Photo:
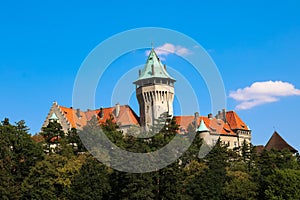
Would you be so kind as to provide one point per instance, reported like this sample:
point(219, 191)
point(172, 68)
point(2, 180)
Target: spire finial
point(152, 45)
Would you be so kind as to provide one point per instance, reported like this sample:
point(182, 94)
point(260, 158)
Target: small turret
point(53, 118)
point(202, 127)
point(204, 133)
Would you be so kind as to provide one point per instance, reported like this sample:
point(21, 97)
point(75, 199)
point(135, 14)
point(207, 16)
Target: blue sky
point(43, 43)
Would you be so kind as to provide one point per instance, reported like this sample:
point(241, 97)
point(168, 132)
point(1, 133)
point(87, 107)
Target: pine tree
point(271, 161)
point(92, 181)
point(52, 133)
point(18, 155)
point(74, 140)
point(209, 183)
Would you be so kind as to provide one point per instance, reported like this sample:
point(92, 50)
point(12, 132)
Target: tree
point(192, 154)
point(239, 185)
point(74, 140)
point(209, 183)
point(18, 154)
point(92, 181)
point(135, 186)
point(283, 184)
point(26, 150)
point(42, 181)
point(190, 172)
point(52, 133)
point(170, 181)
point(269, 162)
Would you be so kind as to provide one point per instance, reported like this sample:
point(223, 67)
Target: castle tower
point(204, 133)
point(154, 91)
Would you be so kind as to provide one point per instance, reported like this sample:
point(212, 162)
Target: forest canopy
point(55, 165)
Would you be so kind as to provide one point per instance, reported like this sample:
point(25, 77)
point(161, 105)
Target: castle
point(155, 94)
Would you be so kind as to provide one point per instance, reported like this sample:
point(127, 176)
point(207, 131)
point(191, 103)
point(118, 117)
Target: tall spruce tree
point(52, 134)
point(18, 154)
point(92, 181)
point(209, 183)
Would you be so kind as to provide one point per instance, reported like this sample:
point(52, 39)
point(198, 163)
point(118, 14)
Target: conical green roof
point(159, 70)
point(202, 127)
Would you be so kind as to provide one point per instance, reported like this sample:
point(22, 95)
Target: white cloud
point(169, 48)
point(262, 92)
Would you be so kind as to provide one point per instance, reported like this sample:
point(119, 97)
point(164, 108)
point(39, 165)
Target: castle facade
point(155, 94)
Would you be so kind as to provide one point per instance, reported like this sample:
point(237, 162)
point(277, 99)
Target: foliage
point(18, 154)
point(283, 184)
point(42, 182)
point(269, 163)
point(209, 183)
point(91, 182)
point(52, 134)
point(74, 140)
point(239, 185)
point(69, 172)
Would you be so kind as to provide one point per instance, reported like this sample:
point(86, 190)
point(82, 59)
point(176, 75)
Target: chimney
point(196, 119)
point(101, 113)
point(117, 109)
point(78, 113)
point(152, 66)
point(165, 66)
point(218, 116)
point(224, 115)
point(210, 116)
point(140, 72)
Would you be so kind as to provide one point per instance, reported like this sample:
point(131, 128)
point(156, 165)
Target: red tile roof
point(184, 122)
point(127, 116)
point(235, 121)
point(217, 126)
point(78, 118)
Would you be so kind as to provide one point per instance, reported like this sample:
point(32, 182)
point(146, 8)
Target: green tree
point(133, 186)
point(268, 163)
point(209, 183)
point(42, 182)
point(18, 154)
point(239, 185)
point(92, 181)
point(191, 172)
point(283, 184)
point(170, 181)
point(52, 133)
point(74, 140)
